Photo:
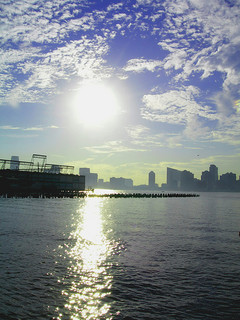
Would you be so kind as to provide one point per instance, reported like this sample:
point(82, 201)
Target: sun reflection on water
point(89, 271)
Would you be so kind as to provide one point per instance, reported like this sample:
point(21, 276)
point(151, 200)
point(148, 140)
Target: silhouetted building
point(173, 179)
point(179, 180)
point(100, 182)
point(205, 179)
point(213, 173)
point(121, 183)
point(38, 177)
point(228, 181)
point(84, 171)
point(151, 179)
point(210, 178)
point(53, 169)
point(91, 179)
point(14, 163)
point(187, 180)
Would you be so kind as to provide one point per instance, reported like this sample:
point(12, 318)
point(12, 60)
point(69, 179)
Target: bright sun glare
point(95, 104)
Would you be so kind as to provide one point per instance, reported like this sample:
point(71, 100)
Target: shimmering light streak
point(86, 298)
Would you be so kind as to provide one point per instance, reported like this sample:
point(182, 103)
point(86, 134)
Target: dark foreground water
point(97, 258)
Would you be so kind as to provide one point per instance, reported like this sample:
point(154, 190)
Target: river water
point(102, 258)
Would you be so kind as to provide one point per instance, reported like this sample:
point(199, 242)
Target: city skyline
point(122, 86)
point(178, 180)
point(92, 179)
point(153, 175)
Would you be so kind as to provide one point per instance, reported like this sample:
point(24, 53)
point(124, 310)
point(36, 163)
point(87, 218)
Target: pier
point(83, 194)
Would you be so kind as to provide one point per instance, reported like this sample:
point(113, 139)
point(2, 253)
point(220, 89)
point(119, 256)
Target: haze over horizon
point(122, 87)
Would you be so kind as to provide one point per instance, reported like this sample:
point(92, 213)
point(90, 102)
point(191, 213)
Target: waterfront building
point(187, 180)
point(173, 179)
point(151, 179)
point(228, 181)
point(91, 179)
point(121, 183)
point(210, 178)
point(38, 177)
point(54, 168)
point(179, 180)
point(213, 173)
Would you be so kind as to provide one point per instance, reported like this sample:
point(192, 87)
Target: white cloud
point(8, 127)
point(144, 2)
point(198, 122)
point(115, 6)
point(202, 36)
point(138, 132)
point(181, 108)
point(140, 65)
point(36, 51)
point(111, 147)
point(38, 128)
point(224, 102)
point(175, 106)
point(143, 136)
point(81, 58)
point(198, 36)
point(176, 59)
point(195, 129)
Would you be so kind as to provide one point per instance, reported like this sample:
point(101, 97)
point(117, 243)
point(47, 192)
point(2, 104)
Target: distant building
point(205, 179)
point(179, 180)
point(210, 178)
point(84, 171)
point(121, 183)
point(91, 179)
point(205, 175)
point(213, 173)
point(228, 181)
point(187, 180)
point(14, 165)
point(173, 179)
point(151, 179)
point(100, 182)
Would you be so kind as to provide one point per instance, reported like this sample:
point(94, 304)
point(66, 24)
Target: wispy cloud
point(175, 106)
point(37, 51)
point(112, 147)
point(144, 137)
point(38, 128)
point(197, 121)
point(9, 128)
point(204, 38)
point(140, 65)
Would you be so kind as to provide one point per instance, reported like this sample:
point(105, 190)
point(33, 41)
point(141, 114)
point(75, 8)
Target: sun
point(95, 104)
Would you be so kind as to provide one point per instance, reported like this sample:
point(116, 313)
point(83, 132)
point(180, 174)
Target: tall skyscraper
point(210, 178)
point(151, 179)
point(173, 178)
point(213, 172)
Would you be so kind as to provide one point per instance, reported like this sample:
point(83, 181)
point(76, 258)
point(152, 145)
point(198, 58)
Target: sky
point(122, 87)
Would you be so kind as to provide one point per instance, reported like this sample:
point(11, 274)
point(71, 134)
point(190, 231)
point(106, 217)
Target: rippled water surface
point(101, 258)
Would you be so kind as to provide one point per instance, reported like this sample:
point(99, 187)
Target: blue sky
point(122, 87)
